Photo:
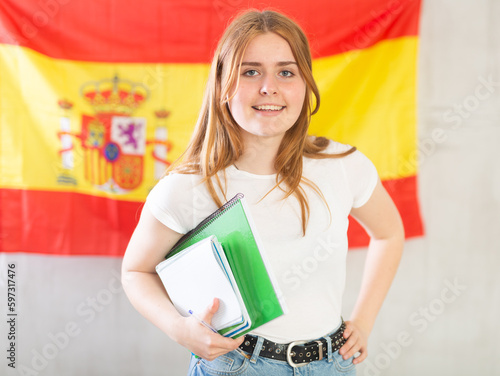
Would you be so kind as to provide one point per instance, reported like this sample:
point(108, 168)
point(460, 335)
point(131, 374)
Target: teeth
point(269, 108)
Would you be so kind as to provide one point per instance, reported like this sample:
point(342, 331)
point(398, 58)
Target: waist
point(295, 353)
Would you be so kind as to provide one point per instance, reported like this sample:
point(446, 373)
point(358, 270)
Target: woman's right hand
point(202, 341)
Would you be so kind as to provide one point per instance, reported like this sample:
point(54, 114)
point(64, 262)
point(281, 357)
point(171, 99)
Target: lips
point(268, 107)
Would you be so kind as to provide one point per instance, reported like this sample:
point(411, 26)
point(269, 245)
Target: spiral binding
point(203, 224)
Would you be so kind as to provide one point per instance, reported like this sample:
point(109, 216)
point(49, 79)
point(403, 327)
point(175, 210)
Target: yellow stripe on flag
point(368, 99)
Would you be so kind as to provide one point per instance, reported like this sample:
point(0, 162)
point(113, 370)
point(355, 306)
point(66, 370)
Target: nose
point(269, 86)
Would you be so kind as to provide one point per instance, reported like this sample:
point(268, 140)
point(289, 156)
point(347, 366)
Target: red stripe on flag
point(65, 223)
point(172, 31)
point(404, 194)
point(75, 224)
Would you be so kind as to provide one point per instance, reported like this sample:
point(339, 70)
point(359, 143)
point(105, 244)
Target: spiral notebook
point(237, 234)
point(197, 275)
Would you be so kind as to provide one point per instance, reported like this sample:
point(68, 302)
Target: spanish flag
point(98, 98)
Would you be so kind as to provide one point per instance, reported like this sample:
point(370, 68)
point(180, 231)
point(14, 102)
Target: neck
point(259, 155)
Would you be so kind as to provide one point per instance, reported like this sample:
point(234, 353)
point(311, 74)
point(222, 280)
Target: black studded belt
point(297, 353)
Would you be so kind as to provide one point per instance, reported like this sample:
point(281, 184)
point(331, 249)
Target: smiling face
point(271, 91)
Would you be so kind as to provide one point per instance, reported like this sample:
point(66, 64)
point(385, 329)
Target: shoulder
point(335, 147)
point(325, 155)
point(362, 176)
point(321, 148)
point(171, 200)
point(180, 201)
point(177, 181)
point(171, 184)
point(315, 146)
point(352, 159)
point(355, 168)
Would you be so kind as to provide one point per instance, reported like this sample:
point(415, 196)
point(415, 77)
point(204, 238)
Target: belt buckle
point(289, 354)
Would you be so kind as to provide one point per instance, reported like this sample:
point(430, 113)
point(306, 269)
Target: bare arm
point(381, 220)
point(148, 246)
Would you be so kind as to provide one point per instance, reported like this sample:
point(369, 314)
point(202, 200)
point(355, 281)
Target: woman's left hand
point(357, 341)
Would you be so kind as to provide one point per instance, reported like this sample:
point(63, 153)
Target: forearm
point(147, 294)
point(380, 268)
point(147, 247)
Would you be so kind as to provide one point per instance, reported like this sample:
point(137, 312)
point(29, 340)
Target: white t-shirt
point(310, 270)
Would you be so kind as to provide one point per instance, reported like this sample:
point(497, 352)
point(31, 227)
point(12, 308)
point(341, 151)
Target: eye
point(287, 73)
point(251, 73)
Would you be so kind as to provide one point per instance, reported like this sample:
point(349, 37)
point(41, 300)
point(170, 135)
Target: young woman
point(251, 137)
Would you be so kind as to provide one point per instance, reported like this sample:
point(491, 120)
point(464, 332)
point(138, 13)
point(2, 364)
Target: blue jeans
point(242, 364)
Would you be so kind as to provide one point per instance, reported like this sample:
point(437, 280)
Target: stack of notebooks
point(223, 258)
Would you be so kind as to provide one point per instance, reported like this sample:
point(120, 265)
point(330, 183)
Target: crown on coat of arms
point(114, 96)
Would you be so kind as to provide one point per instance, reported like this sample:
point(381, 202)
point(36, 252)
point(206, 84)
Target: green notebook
point(236, 232)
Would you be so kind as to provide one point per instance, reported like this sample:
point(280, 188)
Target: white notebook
point(197, 275)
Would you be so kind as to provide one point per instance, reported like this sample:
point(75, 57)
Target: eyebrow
point(256, 64)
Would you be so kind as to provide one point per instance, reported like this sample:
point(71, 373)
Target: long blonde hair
point(216, 142)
